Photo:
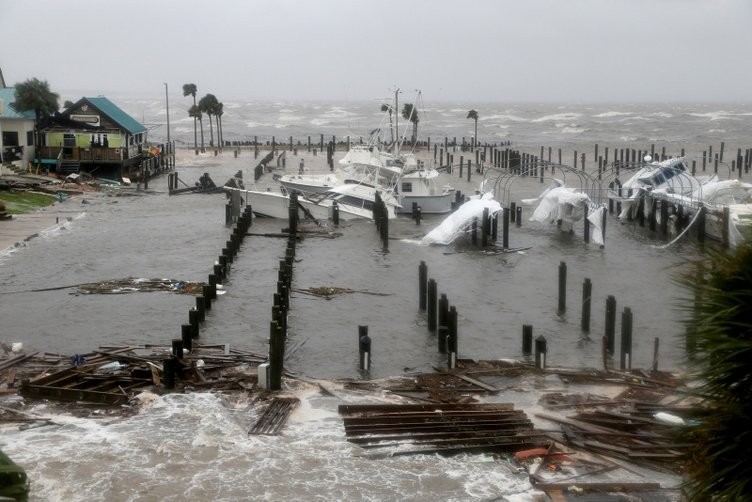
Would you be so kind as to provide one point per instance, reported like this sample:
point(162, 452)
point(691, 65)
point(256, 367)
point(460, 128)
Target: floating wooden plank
point(275, 416)
point(439, 428)
point(16, 359)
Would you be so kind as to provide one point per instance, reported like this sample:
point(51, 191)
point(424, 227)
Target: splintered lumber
point(602, 487)
point(16, 359)
point(439, 428)
point(624, 435)
point(274, 417)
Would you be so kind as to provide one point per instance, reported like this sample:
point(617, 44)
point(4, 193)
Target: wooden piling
point(443, 316)
point(187, 336)
point(364, 348)
point(169, 371)
point(431, 314)
point(193, 321)
point(541, 349)
point(587, 289)
point(452, 337)
point(562, 288)
point(610, 323)
point(527, 339)
point(625, 362)
point(422, 286)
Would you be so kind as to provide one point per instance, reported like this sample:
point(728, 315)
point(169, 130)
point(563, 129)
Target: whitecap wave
point(611, 114)
point(557, 117)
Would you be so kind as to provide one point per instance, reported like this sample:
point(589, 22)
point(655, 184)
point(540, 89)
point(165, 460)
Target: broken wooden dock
point(439, 428)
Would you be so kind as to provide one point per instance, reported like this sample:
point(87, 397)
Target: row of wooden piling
point(441, 317)
point(609, 336)
point(197, 315)
point(270, 374)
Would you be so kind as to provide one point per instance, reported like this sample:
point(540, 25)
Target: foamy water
point(196, 447)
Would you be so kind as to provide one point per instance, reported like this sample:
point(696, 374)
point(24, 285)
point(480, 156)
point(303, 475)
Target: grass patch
point(18, 202)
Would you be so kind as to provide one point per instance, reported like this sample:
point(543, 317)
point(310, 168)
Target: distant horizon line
point(156, 95)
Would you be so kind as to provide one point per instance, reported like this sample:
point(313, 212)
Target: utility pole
point(167, 101)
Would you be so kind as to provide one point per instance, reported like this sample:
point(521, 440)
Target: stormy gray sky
point(469, 50)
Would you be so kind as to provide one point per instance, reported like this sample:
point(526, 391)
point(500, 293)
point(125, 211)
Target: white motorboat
point(361, 164)
point(393, 171)
point(420, 187)
point(353, 201)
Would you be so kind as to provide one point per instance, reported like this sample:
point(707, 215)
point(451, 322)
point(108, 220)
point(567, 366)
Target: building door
point(69, 141)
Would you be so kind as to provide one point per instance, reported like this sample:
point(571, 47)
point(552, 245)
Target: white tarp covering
point(460, 221)
point(560, 203)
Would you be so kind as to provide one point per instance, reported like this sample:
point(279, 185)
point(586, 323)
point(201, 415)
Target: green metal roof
point(8, 96)
point(110, 109)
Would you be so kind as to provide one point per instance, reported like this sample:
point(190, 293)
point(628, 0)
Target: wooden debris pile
point(439, 428)
point(641, 432)
point(572, 475)
point(132, 284)
point(112, 375)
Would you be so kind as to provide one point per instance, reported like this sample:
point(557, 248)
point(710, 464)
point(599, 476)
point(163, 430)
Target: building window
point(10, 138)
point(29, 138)
point(407, 187)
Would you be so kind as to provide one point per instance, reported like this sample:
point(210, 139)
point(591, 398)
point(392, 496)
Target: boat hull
point(429, 204)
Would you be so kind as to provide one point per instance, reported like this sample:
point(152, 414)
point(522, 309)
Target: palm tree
point(472, 114)
point(410, 112)
point(719, 343)
point(386, 108)
point(218, 112)
point(196, 113)
point(208, 105)
point(35, 94)
point(190, 90)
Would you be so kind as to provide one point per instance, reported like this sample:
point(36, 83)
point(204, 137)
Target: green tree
point(473, 114)
point(35, 94)
point(719, 344)
point(190, 90)
point(208, 105)
point(387, 108)
point(68, 103)
point(410, 112)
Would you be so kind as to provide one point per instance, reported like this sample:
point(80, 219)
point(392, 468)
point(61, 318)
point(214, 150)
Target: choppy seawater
point(195, 446)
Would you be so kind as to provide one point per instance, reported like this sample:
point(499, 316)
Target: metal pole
point(167, 102)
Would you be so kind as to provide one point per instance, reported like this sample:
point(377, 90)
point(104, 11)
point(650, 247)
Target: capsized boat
point(460, 222)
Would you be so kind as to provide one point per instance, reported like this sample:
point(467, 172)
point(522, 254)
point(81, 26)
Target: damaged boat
point(460, 223)
point(566, 206)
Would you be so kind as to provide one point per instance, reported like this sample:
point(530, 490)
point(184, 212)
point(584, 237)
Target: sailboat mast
point(396, 120)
